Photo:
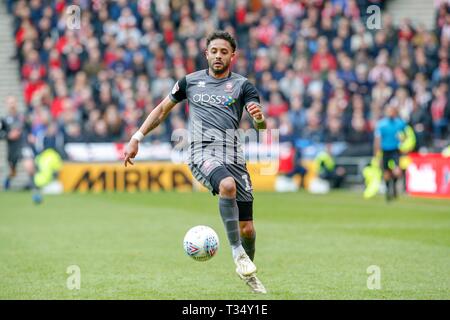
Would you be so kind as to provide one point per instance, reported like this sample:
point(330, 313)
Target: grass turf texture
point(129, 246)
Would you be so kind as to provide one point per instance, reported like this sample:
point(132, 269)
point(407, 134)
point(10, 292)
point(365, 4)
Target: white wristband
point(138, 136)
point(260, 120)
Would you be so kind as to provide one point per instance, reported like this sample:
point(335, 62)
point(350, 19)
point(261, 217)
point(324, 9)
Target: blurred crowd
point(322, 74)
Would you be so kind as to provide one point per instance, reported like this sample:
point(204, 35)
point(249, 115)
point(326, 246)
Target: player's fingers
point(127, 159)
point(253, 110)
point(252, 107)
point(257, 114)
point(257, 111)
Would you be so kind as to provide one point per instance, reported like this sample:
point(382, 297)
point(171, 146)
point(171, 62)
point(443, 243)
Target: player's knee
point(398, 172)
point(248, 230)
point(227, 187)
point(29, 166)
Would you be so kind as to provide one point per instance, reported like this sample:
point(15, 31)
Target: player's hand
point(14, 134)
point(254, 109)
point(131, 151)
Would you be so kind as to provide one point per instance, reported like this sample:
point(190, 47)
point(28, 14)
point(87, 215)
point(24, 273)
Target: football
point(201, 243)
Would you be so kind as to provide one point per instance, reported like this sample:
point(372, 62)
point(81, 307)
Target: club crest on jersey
point(228, 87)
point(201, 84)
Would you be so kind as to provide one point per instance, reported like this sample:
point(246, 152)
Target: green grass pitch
point(129, 246)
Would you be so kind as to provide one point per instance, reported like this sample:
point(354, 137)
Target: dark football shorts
point(14, 156)
point(18, 153)
point(211, 172)
point(391, 156)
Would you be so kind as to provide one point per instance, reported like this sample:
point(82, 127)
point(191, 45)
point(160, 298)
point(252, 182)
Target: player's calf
point(248, 237)
point(397, 174)
point(388, 181)
point(229, 211)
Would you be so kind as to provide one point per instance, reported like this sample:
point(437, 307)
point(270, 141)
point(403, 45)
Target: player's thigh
point(396, 158)
point(387, 157)
point(244, 195)
point(397, 170)
point(13, 160)
point(210, 173)
point(244, 189)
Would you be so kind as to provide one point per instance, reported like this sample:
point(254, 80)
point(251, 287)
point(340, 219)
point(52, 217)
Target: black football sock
point(249, 245)
point(229, 212)
point(388, 189)
point(394, 187)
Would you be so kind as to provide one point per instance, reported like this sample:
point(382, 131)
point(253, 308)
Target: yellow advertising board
point(146, 176)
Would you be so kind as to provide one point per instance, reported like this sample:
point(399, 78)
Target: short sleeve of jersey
point(249, 93)
point(178, 92)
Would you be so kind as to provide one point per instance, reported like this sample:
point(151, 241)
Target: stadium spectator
point(440, 110)
point(328, 170)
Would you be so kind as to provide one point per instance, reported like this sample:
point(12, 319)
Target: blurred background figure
point(389, 134)
point(298, 169)
point(14, 132)
point(328, 170)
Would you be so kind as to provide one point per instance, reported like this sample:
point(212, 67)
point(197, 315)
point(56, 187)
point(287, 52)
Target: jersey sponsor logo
point(212, 98)
point(176, 87)
point(201, 84)
point(230, 101)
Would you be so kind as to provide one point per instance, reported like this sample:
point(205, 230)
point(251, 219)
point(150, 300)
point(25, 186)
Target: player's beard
point(219, 69)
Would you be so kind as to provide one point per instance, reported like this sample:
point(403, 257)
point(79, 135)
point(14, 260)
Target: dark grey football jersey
point(215, 110)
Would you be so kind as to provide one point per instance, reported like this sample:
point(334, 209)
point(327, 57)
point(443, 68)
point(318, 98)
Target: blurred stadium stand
point(318, 69)
point(421, 12)
point(9, 84)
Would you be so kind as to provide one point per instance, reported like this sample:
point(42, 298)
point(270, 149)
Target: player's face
point(219, 55)
point(11, 103)
point(391, 112)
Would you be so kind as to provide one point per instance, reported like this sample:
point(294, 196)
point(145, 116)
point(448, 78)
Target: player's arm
point(402, 132)
point(376, 146)
point(377, 142)
point(154, 119)
point(253, 106)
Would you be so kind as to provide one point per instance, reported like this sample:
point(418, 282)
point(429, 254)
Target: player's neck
point(222, 75)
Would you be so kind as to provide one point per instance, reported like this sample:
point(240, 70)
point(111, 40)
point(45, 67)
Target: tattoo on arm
point(158, 115)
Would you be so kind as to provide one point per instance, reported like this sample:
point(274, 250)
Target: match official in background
point(13, 126)
point(388, 136)
point(15, 129)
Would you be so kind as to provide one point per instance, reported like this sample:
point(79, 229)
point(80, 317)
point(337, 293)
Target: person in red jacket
point(323, 60)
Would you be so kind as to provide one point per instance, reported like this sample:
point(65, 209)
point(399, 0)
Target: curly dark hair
point(219, 34)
